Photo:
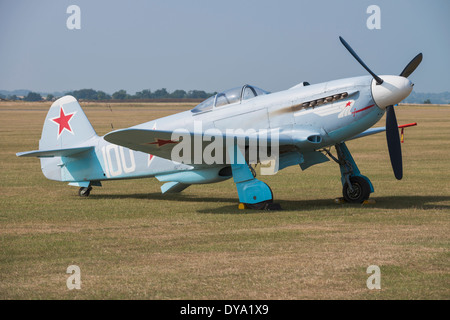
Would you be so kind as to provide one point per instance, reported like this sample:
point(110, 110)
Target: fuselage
point(330, 112)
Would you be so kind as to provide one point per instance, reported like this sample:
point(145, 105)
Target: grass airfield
point(131, 242)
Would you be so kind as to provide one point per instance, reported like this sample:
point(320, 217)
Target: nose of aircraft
point(393, 90)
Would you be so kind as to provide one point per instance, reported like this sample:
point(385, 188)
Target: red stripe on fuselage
point(368, 107)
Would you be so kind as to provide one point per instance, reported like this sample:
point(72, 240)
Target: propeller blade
point(353, 53)
point(393, 142)
point(412, 65)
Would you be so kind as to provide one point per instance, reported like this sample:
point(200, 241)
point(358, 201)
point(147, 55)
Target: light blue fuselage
point(332, 122)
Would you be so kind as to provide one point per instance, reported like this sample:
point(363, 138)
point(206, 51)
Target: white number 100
point(115, 162)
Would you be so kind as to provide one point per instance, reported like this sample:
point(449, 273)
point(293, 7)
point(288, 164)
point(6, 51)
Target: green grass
point(131, 242)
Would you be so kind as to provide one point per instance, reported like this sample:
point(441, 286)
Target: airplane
point(301, 124)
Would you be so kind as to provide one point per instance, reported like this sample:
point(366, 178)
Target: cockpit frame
point(229, 97)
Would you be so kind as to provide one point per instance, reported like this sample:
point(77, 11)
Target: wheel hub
point(356, 192)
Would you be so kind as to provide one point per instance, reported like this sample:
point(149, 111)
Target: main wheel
point(84, 192)
point(360, 192)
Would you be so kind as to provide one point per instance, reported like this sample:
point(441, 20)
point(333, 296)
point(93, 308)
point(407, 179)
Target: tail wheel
point(359, 192)
point(84, 192)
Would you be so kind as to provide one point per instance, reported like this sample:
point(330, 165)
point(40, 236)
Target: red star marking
point(348, 104)
point(63, 121)
point(161, 142)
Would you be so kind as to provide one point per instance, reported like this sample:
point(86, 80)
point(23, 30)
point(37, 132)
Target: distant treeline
point(161, 94)
point(91, 94)
point(428, 98)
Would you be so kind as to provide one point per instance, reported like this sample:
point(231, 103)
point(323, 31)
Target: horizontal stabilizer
point(54, 153)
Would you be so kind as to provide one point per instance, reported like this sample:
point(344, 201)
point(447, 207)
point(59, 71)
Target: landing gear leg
point(356, 188)
point(84, 191)
point(253, 193)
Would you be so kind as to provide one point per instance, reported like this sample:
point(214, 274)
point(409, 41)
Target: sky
point(214, 45)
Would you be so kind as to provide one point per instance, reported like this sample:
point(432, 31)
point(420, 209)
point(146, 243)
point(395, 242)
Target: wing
point(155, 142)
point(368, 132)
point(371, 131)
point(166, 144)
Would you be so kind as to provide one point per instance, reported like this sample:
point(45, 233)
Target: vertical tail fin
point(65, 126)
point(67, 145)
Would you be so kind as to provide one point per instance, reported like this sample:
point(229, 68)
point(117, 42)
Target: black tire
point(84, 192)
point(361, 190)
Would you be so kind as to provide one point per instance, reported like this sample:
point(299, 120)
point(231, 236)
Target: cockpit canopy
point(234, 95)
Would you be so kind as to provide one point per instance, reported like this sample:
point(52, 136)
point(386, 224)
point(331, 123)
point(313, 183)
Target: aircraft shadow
point(392, 203)
point(230, 206)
